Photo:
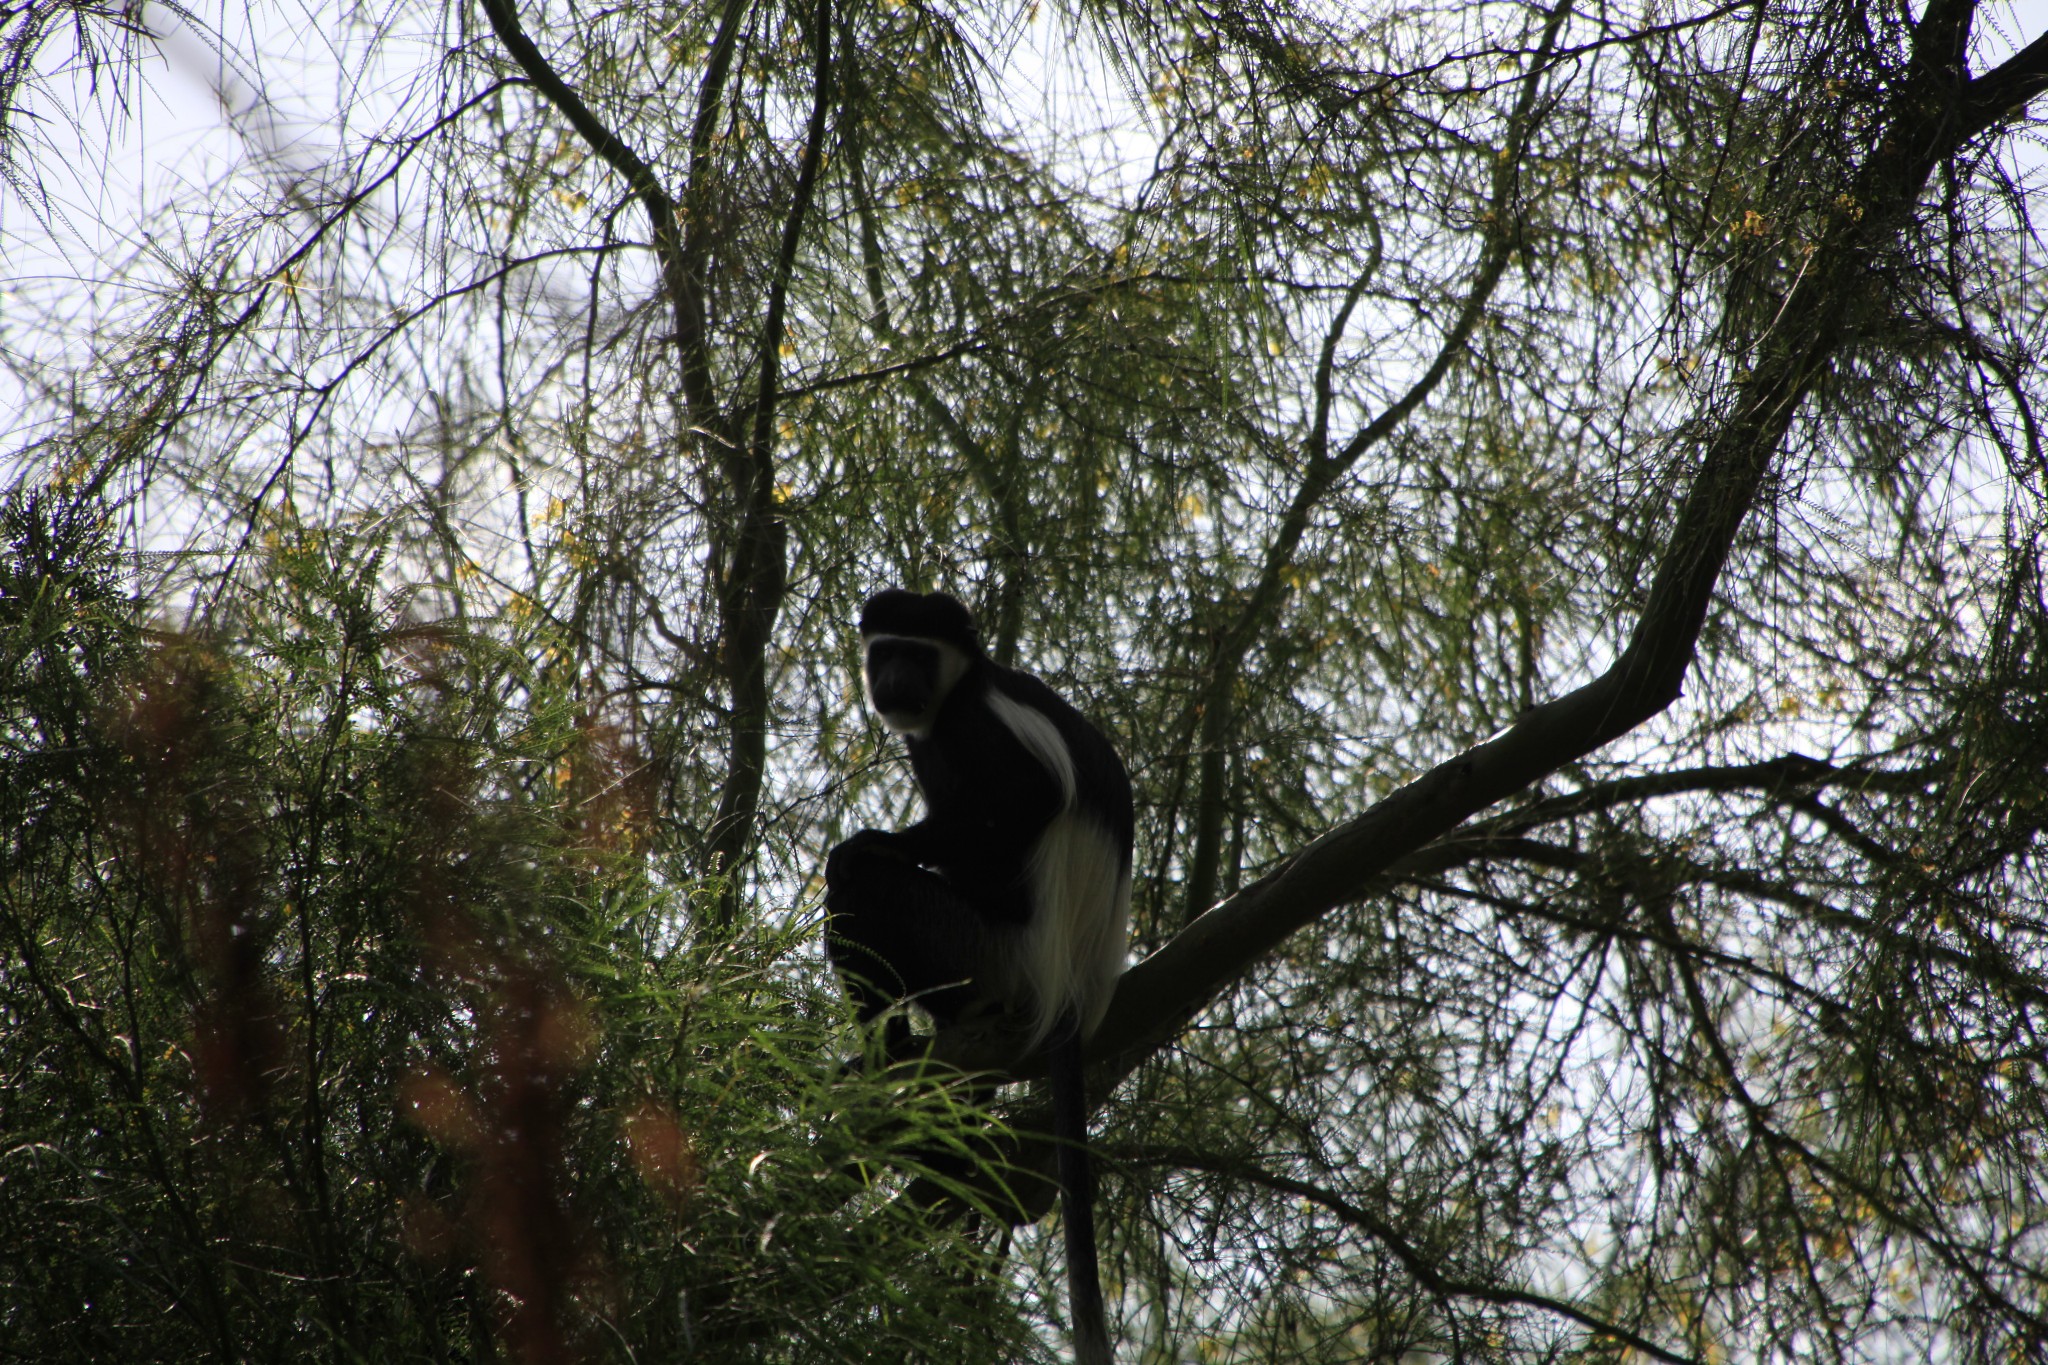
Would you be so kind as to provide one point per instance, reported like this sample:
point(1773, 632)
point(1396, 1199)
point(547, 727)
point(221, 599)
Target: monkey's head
point(914, 648)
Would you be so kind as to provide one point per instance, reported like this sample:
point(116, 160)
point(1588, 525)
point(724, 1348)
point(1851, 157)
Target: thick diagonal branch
point(1934, 111)
point(616, 153)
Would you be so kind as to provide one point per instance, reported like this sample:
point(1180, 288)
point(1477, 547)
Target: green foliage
point(427, 690)
point(339, 1022)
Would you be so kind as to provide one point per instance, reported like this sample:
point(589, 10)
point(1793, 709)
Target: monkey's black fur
point(1012, 892)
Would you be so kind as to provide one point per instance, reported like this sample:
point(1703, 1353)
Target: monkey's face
point(908, 678)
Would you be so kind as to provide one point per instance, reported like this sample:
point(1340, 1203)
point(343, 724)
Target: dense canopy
point(1547, 499)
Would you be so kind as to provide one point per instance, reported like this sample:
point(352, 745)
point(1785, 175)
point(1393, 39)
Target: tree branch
point(1412, 1260)
point(2004, 90)
point(1775, 777)
point(1213, 704)
point(756, 575)
point(1157, 996)
point(755, 559)
point(685, 298)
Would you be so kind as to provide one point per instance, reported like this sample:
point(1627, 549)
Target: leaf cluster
point(337, 1024)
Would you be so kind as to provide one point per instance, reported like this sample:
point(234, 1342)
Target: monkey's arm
point(939, 841)
point(922, 843)
point(985, 859)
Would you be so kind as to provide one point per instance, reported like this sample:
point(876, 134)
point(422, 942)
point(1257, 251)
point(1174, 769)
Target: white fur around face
point(917, 725)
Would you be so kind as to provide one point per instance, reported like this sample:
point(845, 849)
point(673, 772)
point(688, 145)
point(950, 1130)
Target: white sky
point(178, 143)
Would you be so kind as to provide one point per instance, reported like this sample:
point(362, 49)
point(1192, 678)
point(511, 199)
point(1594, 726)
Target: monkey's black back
point(994, 794)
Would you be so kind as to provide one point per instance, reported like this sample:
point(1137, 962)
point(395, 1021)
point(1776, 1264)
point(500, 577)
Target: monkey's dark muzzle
point(903, 685)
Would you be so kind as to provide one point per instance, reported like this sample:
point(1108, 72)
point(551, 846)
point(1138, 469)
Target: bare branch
point(756, 573)
point(1412, 1260)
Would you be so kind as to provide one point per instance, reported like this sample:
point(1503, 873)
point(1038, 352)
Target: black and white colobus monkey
point(1014, 890)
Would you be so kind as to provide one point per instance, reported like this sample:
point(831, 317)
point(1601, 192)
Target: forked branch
point(1931, 115)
